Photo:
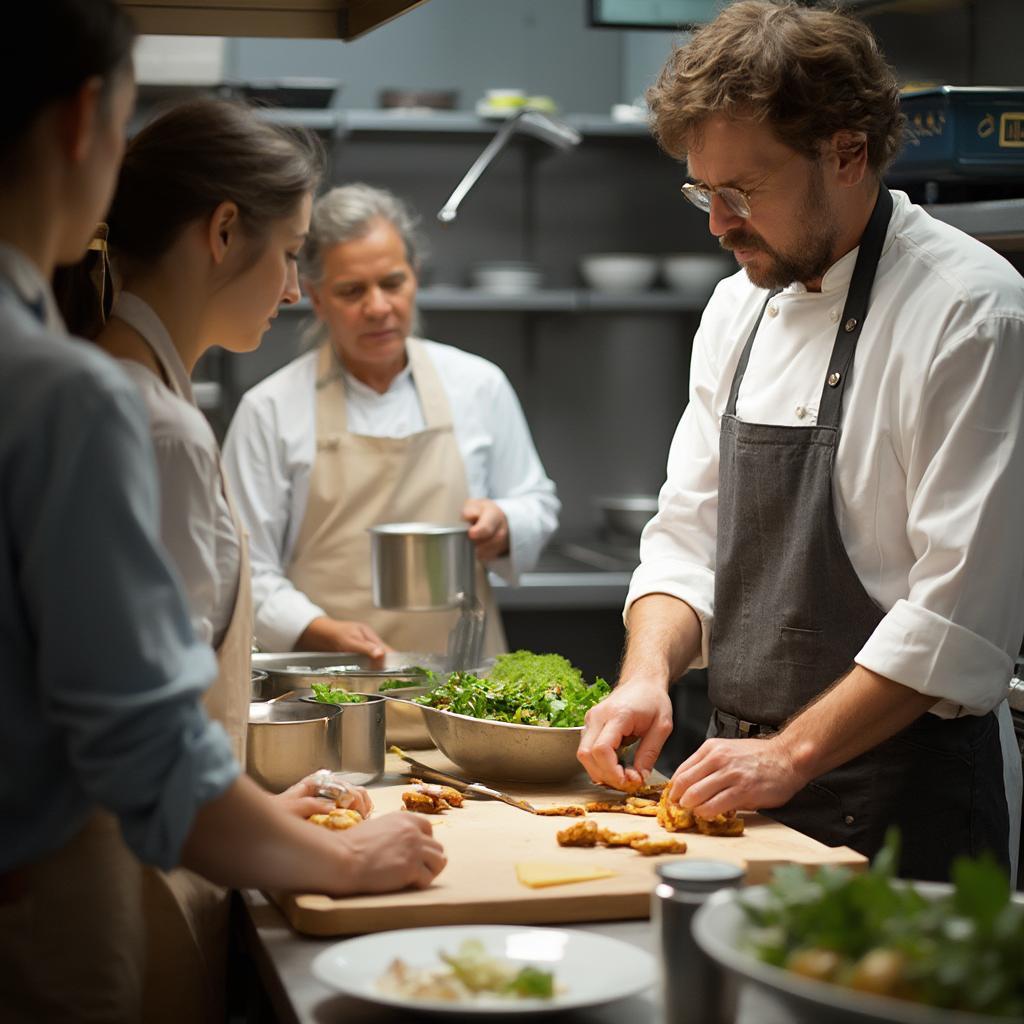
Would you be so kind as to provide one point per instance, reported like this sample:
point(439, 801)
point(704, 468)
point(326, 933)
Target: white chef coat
point(929, 481)
point(271, 444)
point(195, 522)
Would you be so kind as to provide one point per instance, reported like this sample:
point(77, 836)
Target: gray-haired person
point(376, 425)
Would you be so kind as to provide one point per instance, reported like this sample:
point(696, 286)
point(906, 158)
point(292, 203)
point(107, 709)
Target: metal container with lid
point(694, 989)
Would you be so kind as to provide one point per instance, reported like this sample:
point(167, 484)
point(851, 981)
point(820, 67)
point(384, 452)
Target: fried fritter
point(672, 817)
point(610, 838)
point(643, 812)
point(339, 819)
point(579, 833)
point(452, 796)
point(562, 811)
point(640, 801)
point(424, 803)
point(654, 847)
point(602, 806)
point(728, 824)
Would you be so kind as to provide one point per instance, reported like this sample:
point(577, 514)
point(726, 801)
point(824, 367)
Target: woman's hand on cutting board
point(396, 851)
point(633, 709)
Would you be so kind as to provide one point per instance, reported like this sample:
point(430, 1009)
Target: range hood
point(307, 19)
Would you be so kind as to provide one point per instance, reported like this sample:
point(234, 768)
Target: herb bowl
point(720, 927)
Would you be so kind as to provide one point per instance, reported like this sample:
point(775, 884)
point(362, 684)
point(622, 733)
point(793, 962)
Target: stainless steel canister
point(694, 989)
point(421, 567)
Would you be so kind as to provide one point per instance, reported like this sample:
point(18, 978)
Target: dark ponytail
point(181, 167)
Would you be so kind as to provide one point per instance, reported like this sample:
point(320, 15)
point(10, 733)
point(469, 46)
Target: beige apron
point(187, 916)
point(72, 938)
point(359, 481)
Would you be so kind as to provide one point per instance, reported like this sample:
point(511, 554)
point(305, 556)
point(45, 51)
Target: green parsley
point(962, 951)
point(327, 694)
point(522, 688)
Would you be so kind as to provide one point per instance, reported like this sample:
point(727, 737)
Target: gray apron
point(791, 615)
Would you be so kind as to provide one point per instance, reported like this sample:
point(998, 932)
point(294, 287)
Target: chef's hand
point(488, 528)
point(302, 799)
point(733, 775)
point(397, 851)
point(635, 708)
point(324, 634)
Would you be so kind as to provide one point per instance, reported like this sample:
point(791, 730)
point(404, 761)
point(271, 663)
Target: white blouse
point(195, 522)
point(929, 481)
point(271, 444)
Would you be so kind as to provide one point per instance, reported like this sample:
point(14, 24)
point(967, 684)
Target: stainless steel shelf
point(999, 223)
point(554, 300)
point(341, 122)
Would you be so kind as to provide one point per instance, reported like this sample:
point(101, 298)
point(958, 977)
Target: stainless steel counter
point(581, 573)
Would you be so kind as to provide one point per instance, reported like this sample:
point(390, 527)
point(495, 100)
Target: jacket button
point(850, 325)
point(848, 819)
point(833, 379)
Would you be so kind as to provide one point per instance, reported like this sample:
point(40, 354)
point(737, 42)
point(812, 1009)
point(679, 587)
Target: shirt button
point(801, 412)
point(773, 310)
point(849, 819)
point(833, 315)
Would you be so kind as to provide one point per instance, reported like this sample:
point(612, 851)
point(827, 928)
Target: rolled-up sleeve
point(120, 671)
point(954, 635)
point(677, 547)
point(261, 483)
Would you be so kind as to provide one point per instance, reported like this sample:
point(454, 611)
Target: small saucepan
point(288, 740)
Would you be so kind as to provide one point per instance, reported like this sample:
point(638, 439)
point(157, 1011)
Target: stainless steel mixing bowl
point(503, 751)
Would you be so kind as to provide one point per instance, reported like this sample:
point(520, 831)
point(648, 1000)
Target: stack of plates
point(506, 277)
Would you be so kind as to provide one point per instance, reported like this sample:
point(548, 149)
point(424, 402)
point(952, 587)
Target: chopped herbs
point(327, 694)
point(961, 951)
point(416, 676)
point(523, 688)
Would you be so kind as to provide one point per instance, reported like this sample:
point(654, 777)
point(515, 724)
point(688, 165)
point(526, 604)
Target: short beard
point(814, 250)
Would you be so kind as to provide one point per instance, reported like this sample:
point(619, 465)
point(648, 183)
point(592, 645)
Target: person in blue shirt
point(107, 757)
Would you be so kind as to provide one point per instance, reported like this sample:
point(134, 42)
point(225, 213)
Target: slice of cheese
point(540, 874)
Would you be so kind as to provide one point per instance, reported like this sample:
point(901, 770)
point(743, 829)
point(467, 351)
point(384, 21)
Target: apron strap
point(855, 311)
point(437, 411)
point(741, 368)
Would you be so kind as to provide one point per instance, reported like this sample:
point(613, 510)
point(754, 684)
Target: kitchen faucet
point(531, 122)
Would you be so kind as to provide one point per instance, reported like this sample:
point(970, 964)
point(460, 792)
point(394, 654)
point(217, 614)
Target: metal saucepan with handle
point(298, 670)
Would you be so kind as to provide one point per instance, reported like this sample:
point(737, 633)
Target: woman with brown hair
point(211, 208)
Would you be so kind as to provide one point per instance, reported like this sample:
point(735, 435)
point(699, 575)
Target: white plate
point(589, 969)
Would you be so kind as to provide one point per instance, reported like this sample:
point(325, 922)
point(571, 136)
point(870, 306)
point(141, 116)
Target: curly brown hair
point(807, 72)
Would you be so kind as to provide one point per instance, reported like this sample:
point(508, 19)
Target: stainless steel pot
point(627, 514)
point(298, 670)
point(259, 685)
point(288, 740)
point(421, 567)
point(358, 734)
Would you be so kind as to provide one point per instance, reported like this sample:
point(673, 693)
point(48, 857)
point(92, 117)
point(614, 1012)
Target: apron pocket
point(799, 646)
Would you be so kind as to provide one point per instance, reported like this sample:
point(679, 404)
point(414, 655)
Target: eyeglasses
point(736, 199)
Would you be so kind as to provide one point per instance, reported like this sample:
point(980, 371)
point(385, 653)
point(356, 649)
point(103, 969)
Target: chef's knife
point(477, 788)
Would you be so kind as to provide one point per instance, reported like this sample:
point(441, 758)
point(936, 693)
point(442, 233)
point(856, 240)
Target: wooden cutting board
point(485, 839)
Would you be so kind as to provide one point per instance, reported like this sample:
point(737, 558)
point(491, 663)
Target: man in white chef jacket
point(375, 425)
point(838, 538)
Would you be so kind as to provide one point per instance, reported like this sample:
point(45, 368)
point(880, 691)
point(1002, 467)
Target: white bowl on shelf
point(619, 272)
point(694, 276)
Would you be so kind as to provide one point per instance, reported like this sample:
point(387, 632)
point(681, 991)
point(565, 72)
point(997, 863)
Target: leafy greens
point(327, 694)
point(962, 951)
point(523, 688)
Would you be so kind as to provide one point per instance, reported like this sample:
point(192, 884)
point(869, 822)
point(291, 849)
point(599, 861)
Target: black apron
point(791, 615)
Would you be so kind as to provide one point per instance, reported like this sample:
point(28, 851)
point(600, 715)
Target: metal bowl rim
point(417, 529)
point(551, 729)
point(822, 994)
point(330, 711)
